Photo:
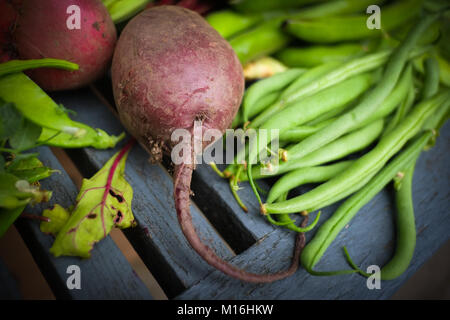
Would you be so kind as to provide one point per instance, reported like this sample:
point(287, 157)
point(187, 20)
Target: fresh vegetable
point(121, 10)
point(348, 28)
point(104, 201)
point(86, 38)
point(307, 57)
point(203, 82)
point(365, 167)
point(59, 129)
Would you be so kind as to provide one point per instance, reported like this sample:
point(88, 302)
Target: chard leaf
point(58, 218)
point(104, 201)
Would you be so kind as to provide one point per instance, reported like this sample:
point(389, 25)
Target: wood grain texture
point(106, 275)
point(157, 238)
point(370, 238)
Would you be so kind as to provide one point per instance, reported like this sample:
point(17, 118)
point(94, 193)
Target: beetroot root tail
point(182, 182)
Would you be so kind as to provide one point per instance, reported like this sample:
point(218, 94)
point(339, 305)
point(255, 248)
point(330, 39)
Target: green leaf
point(10, 195)
point(26, 136)
point(15, 192)
point(10, 120)
point(28, 168)
point(58, 218)
point(100, 206)
point(7, 218)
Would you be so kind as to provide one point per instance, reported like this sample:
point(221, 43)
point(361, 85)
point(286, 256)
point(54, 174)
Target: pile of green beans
point(357, 119)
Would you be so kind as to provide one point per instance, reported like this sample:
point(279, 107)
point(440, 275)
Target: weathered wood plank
point(214, 198)
point(106, 275)
point(370, 238)
point(9, 289)
point(157, 238)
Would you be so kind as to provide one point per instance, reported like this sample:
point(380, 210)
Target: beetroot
point(8, 17)
point(171, 68)
point(42, 32)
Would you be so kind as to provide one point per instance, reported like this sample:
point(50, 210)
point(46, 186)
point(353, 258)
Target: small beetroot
point(48, 29)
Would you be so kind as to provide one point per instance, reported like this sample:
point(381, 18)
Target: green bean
point(264, 5)
point(428, 37)
point(121, 10)
point(312, 56)
point(370, 102)
point(14, 66)
point(349, 28)
point(228, 22)
point(348, 144)
point(264, 102)
point(325, 76)
point(402, 94)
point(406, 229)
point(444, 66)
point(326, 234)
point(303, 176)
point(286, 221)
point(431, 84)
point(365, 167)
point(39, 108)
point(298, 133)
point(303, 80)
point(311, 107)
point(262, 40)
point(262, 88)
point(333, 8)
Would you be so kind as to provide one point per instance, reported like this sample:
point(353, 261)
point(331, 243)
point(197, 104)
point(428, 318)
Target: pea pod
point(228, 22)
point(312, 56)
point(333, 8)
point(263, 40)
point(350, 28)
point(39, 108)
point(14, 66)
point(268, 5)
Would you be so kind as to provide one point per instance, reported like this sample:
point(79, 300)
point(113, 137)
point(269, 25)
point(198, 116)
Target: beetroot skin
point(171, 68)
point(42, 32)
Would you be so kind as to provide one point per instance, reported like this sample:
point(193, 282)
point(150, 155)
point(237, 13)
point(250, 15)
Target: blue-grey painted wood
point(240, 229)
point(9, 289)
point(157, 238)
point(370, 238)
point(106, 275)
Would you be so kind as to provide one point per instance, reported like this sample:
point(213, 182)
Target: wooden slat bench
point(246, 240)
